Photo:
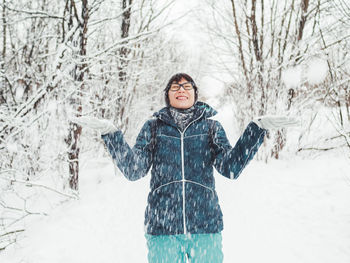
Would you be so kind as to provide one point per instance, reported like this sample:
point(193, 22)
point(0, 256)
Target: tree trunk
point(304, 7)
point(3, 51)
point(124, 52)
point(74, 129)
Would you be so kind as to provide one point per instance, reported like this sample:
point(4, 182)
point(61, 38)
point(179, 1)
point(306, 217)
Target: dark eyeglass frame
point(181, 85)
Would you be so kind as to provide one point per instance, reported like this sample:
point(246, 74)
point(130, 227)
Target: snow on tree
point(61, 59)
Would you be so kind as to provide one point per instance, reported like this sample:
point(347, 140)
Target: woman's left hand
point(276, 122)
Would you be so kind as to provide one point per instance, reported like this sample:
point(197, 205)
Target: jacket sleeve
point(229, 161)
point(134, 162)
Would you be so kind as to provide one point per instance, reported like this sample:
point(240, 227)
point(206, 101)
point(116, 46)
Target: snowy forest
point(111, 59)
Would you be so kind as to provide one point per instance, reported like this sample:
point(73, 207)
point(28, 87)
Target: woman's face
point(183, 98)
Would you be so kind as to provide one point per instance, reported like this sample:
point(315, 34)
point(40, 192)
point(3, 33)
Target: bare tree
point(79, 72)
point(61, 59)
point(259, 40)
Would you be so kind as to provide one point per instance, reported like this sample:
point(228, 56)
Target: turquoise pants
point(197, 248)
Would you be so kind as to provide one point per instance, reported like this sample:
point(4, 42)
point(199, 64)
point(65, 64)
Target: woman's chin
point(182, 104)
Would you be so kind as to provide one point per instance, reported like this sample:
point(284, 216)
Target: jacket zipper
point(183, 172)
point(183, 183)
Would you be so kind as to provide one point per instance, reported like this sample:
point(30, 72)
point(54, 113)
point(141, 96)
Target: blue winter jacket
point(182, 196)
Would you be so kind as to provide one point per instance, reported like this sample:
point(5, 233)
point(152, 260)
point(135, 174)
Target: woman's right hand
point(100, 125)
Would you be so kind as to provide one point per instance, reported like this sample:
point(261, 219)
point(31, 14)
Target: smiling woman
point(181, 92)
point(182, 144)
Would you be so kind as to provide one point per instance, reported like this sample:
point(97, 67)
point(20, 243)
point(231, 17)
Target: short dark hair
point(176, 78)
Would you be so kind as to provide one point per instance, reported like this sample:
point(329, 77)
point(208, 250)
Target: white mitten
point(100, 125)
point(276, 122)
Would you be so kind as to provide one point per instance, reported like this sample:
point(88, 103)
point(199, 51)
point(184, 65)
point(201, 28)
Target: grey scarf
point(182, 117)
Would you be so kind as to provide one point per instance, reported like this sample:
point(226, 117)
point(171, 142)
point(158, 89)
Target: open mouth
point(181, 98)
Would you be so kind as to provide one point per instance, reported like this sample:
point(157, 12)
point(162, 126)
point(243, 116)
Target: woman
point(182, 144)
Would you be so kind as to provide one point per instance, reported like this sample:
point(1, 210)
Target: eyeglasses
point(177, 86)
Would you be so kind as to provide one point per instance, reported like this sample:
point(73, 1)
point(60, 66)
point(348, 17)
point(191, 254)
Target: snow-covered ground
point(289, 210)
point(283, 211)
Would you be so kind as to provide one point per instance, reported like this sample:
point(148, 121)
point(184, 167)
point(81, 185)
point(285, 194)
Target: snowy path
point(295, 211)
point(284, 211)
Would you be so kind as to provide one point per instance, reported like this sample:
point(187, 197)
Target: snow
point(295, 209)
point(12, 147)
point(291, 77)
point(317, 71)
point(212, 89)
point(313, 71)
point(288, 210)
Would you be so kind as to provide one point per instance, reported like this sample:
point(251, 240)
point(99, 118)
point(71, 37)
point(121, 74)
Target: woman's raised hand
point(276, 122)
point(100, 125)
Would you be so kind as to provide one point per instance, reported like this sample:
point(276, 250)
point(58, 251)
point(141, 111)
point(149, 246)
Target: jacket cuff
point(258, 124)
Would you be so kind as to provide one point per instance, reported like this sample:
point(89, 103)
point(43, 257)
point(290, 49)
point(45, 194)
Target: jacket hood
point(201, 109)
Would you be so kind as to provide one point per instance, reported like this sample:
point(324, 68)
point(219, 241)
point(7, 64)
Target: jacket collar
point(202, 110)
